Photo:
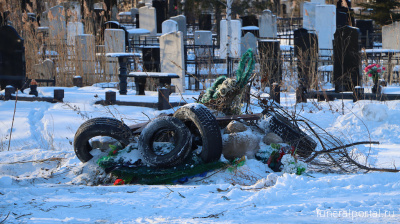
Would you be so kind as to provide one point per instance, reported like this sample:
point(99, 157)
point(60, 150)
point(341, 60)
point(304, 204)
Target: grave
point(270, 63)
point(45, 70)
point(12, 58)
point(346, 60)
point(325, 27)
point(306, 52)
point(344, 14)
point(203, 39)
point(367, 30)
point(309, 15)
point(57, 25)
point(249, 41)
point(268, 25)
point(148, 20)
point(236, 36)
point(169, 26)
point(172, 58)
point(85, 54)
point(390, 36)
point(205, 22)
point(73, 29)
point(114, 42)
point(181, 20)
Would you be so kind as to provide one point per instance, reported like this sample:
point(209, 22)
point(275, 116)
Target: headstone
point(172, 58)
point(204, 38)
point(148, 20)
point(390, 36)
point(169, 26)
point(85, 53)
point(325, 26)
point(319, 2)
point(45, 70)
point(249, 41)
point(347, 60)
point(73, 29)
point(181, 20)
point(268, 25)
point(344, 14)
point(44, 19)
point(151, 58)
point(270, 63)
point(309, 15)
point(134, 12)
point(367, 30)
point(57, 24)
point(161, 11)
point(12, 58)
point(306, 52)
point(114, 42)
point(205, 22)
point(235, 40)
point(114, 13)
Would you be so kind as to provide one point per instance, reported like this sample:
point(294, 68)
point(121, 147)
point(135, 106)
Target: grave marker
point(181, 20)
point(147, 19)
point(235, 41)
point(268, 25)
point(249, 41)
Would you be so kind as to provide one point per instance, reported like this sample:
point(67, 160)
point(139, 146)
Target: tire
point(155, 130)
point(204, 126)
point(292, 135)
point(101, 126)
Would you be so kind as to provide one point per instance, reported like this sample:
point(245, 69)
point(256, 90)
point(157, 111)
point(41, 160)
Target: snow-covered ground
point(42, 181)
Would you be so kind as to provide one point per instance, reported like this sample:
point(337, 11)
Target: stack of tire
point(192, 124)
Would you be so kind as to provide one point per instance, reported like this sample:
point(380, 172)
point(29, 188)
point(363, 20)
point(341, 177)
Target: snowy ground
point(42, 181)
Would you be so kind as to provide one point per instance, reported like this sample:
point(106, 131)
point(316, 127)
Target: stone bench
point(140, 79)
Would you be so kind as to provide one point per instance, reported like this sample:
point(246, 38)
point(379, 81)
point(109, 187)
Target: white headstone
point(325, 27)
point(249, 41)
point(57, 24)
point(319, 2)
point(148, 19)
point(181, 20)
point(172, 58)
point(235, 41)
point(203, 37)
point(309, 15)
point(114, 42)
point(73, 29)
point(85, 53)
point(148, 2)
point(268, 25)
point(391, 36)
point(169, 26)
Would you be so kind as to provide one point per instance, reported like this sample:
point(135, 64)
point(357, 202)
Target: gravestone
point(250, 20)
point(135, 16)
point(45, 70)
point(114, 13)
point(114, 42)
point(205, 22)
point(235, 40)
point(306, 52)
point(181, 20)
point(161, 11)
point(346, 60)
point(309, 15)
point(390, 36)
point(148, 20)
point(249, 41)
point(319, 2)
point(270, 63)
point(367, 29)
point(169, 26)
point(85, 50)
point(57, 25)
point(12, 58)
point(172, 58)
point(151, 58)
point(268, 25)
point(344, 14)
point(73, 29)
point(204, 38)
point(325, 27)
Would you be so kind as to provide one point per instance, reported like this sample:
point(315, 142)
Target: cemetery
point(198, 111)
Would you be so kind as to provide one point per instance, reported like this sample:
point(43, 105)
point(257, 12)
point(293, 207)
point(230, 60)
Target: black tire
point(155, 130)
point(202, 122)
point(292, 135)
point(101, 126)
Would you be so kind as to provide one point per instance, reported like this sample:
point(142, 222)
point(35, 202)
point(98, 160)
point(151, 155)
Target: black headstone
point(151, 59)
point(270, 63)
point(161, 7)
point(306, 52)
point(346, 59)
point(250, 20)
point(205, 22)
point(344, 14)
point(366, 29)
point(12, 58)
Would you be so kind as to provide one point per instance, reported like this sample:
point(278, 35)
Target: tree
point(382, 11)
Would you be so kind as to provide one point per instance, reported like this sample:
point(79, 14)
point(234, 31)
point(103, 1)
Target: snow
point(42, 181)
